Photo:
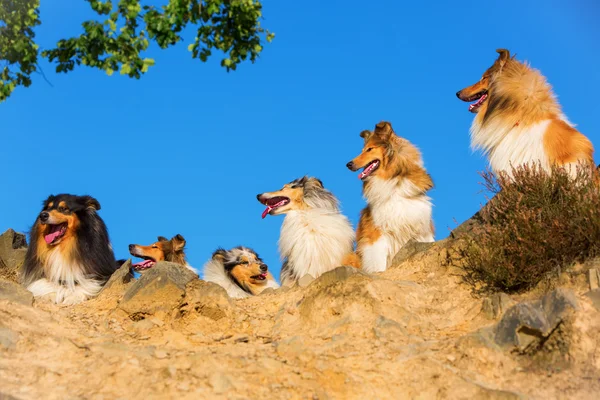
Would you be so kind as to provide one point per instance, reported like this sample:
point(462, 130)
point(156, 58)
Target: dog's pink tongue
point(143, 264)
point(49, 238)
point(267, 211)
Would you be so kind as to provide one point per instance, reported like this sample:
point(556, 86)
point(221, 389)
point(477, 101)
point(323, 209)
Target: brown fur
point(164, 250)
point(397, 156)
point(520, 95)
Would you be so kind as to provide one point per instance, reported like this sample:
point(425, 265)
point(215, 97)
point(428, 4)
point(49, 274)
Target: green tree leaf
point(228, 26)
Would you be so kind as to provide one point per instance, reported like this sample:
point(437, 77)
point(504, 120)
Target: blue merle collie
point(240, 271)
point(70, 256)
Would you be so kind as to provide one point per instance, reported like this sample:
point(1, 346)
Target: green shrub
point(535, 226)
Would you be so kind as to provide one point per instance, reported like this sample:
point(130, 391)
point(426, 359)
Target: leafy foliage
point(535, 225)
point(17, 47)
point(117, 42)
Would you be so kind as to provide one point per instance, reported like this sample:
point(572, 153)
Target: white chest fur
point(515, 146)
point(314, 241)
point(66, 281)
point(401, 213)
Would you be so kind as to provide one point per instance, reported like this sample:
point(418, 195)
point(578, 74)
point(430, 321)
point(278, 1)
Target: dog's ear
point(178, 242)
point(366, 135)
point(384, 130)
point(162, 239)
point(315, 182)
point(89, 202)
point(219, 255)
point(503, 57)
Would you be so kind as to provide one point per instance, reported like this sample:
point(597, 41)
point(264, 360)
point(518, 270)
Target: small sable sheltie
point(315, 236)
point(70, 255)
point(240, 271)
point(164, 250)
point(519, 120)
point(395, 184)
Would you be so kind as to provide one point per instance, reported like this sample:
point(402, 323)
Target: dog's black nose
point(263, 268)
point(350, 165)
point(44, 216)
point(131, 247)
point(258, 196)
point(458, 94)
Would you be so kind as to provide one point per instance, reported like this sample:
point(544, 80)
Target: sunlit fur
point(315, 236)
point(236, 270)
point(521, 122)
point(172, 250)
point(74, 267)
point(398, 208)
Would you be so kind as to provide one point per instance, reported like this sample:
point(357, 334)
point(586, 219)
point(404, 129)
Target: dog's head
point(479, 91)
point(245, 267)
point(301, 194)
point(172, 250)
point(384, 153)
point(62, 214)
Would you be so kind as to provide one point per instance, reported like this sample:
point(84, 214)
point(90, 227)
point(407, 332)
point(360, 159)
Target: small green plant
point(535, 226)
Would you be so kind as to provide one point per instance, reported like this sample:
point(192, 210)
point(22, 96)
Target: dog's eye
point(62, 209)
point(155, 247)
point(369, 149)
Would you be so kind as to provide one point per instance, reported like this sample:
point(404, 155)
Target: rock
point(16, 293)
point(118, 281)
point(305, 280)
point(13, 247)
point(410, 249)
point(4, 396)
point(495, 305)
point(220, 382)
point(532, 322)
point(339, 274)
point(8, 337)
point(208, 300)
point(594, 278)
point(159, 289)
point(466, 227)
point(594, 295)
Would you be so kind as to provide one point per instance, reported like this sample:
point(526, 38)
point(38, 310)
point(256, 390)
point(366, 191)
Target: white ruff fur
point(401, 212)
point(66, 282)
point(314, 242)
point(512, 146)
point(215, 272)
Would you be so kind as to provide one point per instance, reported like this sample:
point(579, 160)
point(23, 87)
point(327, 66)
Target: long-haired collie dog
point(240, 271)
point(519, 120)
point(70, 256)
point(395, 184)
point(315, 236)
point(172, 250)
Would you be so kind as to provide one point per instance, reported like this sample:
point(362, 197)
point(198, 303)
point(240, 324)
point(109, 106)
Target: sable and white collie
point(519, 120)
point(172, 250)
point(395, 184)
point(315, 236)
point(240, 271)
point(70, 256)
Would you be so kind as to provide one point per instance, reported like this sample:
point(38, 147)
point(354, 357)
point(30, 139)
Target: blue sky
point(187, 148)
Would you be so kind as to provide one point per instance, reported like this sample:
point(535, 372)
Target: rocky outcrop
point(159, 289)
point(15, 293)
point(13, 247)
point(414, 331)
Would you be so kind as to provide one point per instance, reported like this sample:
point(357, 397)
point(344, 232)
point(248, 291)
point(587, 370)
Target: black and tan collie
point(70, 256)
point(172, 250)
point(240, 271)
